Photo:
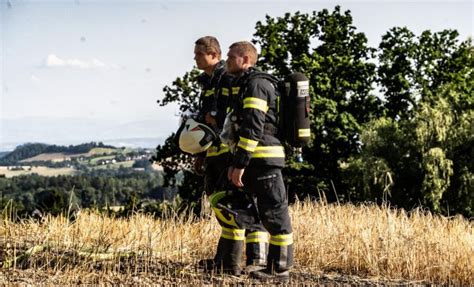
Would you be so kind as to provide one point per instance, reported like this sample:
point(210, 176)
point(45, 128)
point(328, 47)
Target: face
point(234, 62)
point(203, 59)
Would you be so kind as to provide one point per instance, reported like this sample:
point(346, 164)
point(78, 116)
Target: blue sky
point(105, 62)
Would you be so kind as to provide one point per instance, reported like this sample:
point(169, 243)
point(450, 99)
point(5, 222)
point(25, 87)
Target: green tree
point(52, 200)
point(412, 68)
point(185, 93)
point(329, 50)
point(396, 72)
point(425, 144)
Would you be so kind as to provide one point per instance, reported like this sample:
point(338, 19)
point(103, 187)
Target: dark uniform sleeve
point(255, 107)
point(224, 98)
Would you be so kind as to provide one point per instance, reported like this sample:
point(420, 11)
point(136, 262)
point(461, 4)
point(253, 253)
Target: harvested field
point(59, 156)
point(334, 244)
point(41, 170)
point(54, 157)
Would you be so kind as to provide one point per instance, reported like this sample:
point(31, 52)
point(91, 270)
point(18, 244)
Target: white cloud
point(54, 61)
point(98, 63)
point(35, 79)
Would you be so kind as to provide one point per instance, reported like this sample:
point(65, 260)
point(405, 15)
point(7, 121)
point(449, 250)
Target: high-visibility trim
point(269, 151)
point(257, 237)
point(228, 110)
point(281, 239)
point(214, 200)
point(247, 144)
point(233, 234)
point(229, 221)
point(255, 103)
point(304, 132)
point(215, 197)
point(209, 93)
point(235, 90)
point(225, 91)
point(215, 151)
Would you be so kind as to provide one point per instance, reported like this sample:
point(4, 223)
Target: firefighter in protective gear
point(216, 90)
point(259, 157)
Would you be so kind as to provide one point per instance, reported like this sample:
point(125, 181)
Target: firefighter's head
point(207, 53)
point(241, 56)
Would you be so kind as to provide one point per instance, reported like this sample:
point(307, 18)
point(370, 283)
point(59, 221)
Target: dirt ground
point(179, 274)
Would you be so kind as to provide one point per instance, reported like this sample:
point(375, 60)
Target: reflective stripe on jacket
point(256, 108)
point(216, 90)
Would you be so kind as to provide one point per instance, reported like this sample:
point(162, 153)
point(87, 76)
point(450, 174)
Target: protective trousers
point(231, 243)
point(266, 184)
point(230, 246)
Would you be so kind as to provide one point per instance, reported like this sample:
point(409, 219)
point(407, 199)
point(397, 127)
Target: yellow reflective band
point(233, 234)
point(209, 93)
point(241, 232)
point(256, 237)
point(225, 91)
point(215, 151)
point(247, 144)
point(255, 103)
point(235, 90)
point(269, 151)
point(282, 239)
point(304, 132)
point(228, 110)
point(216, 197)
point(229, 221)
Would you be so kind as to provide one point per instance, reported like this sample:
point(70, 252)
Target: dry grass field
point(54, 157)
point(59, 157)
point(334, 244)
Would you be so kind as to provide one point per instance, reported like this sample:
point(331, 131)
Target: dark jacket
point(256, 110)
point(216, 90)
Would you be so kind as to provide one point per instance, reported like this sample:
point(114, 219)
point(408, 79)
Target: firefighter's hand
point(198, 165)
point(235, 176)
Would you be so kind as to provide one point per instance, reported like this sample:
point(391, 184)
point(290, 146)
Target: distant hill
point(31, 150)
point(3, 153)
point(146, 133)
point(149, 143)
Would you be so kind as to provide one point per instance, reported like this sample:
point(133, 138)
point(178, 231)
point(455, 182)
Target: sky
point(75, 71)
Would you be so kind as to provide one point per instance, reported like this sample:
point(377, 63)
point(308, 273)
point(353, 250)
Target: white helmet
point(195, 137)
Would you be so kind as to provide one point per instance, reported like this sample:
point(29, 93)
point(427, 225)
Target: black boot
point(232, 256)
point(280, 259)
point(215, 263)
point(227, 259)
point(269, 275)
point(256, 253)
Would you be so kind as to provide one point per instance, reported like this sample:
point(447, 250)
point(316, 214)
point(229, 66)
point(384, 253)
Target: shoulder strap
point(261, 75)
point(272, 129)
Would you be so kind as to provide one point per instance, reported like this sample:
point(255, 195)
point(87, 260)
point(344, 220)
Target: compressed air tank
point(296, 109)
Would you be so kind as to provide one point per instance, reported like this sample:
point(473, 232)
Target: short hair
point(210, 44)
point(245, 48)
